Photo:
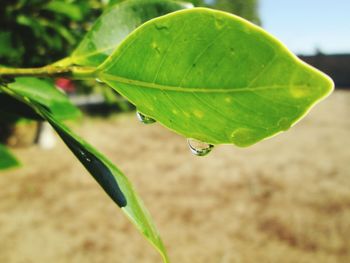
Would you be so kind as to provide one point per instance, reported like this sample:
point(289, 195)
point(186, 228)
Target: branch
point(49, 71)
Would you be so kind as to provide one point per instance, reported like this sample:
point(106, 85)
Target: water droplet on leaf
point(99, 81)
point(144, 119)
point(199, 148)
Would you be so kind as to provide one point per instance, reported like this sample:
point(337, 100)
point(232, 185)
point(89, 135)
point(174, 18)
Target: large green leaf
point(114, 25)
point(111, 179)
point(7, 160)
point(214, 77)
point(43, 92)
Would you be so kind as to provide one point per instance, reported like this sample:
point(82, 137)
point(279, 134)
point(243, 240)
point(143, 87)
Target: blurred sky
point(305, 25)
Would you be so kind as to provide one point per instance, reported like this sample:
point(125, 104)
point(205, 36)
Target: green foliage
point(205, 74)
point(35, 33)
point(68, 9)
point(7, 160)
point(213, 77)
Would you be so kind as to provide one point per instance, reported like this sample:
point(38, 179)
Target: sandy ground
point(286, 199)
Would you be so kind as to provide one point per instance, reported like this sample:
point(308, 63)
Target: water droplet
point(199, 148)
point(99, 81)
point(144, 119)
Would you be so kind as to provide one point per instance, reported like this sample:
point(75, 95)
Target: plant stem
point(50, 71)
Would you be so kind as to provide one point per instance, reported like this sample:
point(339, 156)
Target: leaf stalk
point(74, 72)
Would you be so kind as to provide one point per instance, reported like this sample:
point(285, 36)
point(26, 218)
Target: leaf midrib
point(163, 87)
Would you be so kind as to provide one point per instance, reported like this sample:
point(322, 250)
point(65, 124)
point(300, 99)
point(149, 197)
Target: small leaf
point(45, 93)
point(70, 10)
point(113, 26)
point(110, 178)
point(214, 77)
point(7, 160)
point(58, 28)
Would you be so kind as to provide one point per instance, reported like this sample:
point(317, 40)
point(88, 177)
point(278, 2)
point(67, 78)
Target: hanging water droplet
point(144, 119)
point(199, 148)
point(99, 81)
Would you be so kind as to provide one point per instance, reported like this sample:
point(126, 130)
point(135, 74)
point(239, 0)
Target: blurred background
point(286, 199)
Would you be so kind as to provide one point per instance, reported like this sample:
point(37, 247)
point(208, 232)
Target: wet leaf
point(214, 77)
point(114, 25)
point(7, 160)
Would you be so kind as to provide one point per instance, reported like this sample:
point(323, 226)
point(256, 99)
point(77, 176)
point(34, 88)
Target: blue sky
point(305, 25)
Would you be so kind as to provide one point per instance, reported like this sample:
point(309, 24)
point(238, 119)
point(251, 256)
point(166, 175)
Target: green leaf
point(7, 50)
point(45, 93)
point(214, 77)
point(32, 23)
point(110, 178)
point(114, 25)
point(70, 10)
point(7, 160)
point(58, 28)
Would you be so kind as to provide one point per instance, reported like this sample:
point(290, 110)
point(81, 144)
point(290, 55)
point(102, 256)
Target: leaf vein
point(157, 86)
